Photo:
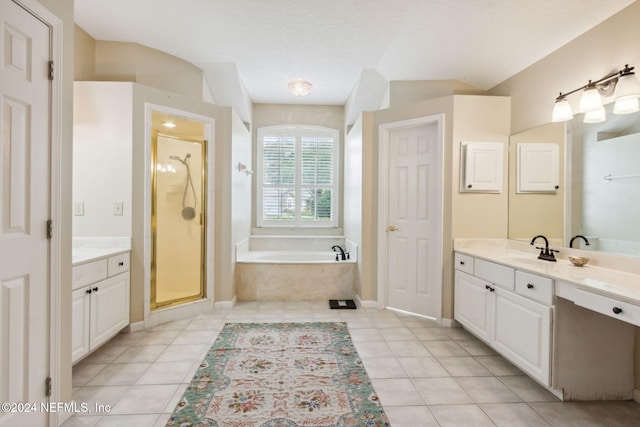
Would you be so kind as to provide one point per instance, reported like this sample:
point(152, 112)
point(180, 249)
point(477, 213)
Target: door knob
point(392, 228)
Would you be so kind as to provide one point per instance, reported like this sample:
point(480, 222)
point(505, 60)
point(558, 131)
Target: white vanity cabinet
point(100, 302)
point(502, 307)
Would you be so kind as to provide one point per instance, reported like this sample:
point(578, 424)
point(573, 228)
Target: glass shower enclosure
point(178, 220)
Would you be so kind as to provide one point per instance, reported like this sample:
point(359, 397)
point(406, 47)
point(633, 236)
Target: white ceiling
point(331, 42)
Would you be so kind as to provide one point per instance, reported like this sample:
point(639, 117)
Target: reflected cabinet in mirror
point(536, 183)
point(598, 194)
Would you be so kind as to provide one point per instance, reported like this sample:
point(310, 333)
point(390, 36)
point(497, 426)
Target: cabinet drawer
point(497, 274)
point(118, 264)
point(535, 287)
point(89, 273)
point(611, 307)
point(464, 263)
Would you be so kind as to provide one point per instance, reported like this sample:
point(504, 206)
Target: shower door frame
point(203, 223)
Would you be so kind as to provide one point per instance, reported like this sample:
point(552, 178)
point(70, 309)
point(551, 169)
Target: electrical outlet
point(118, 209)
point(78, 208)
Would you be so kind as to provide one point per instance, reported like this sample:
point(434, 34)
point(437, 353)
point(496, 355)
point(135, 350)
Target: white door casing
point(410, 275)
point(25, 208)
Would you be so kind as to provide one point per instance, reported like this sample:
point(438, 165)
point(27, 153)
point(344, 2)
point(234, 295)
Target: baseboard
point(366, 303)
point(450, 323)
point(178, 312)
point(135, 327)
point(636, 395)
point(226, 305)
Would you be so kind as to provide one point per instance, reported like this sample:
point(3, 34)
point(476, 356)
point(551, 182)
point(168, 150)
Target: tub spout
point(343, 254)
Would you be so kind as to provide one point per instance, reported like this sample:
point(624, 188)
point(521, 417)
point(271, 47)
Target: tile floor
point(424, 374)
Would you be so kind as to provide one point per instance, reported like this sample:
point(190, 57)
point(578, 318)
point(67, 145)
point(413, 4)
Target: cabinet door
point(522, 333)
point(473, 305)
point(109, 308)
point(482, 168)
point(80, 305)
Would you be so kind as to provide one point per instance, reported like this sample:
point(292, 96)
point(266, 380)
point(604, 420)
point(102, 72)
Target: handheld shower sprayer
point(188, 212)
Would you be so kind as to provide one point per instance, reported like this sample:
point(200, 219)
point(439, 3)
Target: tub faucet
point(343, 255)
point(545, 253)
point(579, 236)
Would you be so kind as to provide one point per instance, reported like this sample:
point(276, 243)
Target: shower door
point(178, 220)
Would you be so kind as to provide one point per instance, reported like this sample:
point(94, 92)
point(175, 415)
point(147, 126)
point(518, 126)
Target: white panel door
point(413, 244)
point(24, 211)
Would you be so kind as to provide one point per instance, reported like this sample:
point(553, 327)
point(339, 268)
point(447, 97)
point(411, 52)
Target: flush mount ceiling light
point(622, 83)
point(300, 87)
point(169, 124)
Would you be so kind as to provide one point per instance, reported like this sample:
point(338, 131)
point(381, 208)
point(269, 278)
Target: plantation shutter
point(278, 177)
point(297, 179)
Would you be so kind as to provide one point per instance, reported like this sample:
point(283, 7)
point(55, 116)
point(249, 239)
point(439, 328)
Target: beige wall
point(600, 51)
point(132, 62)
point(85, 56)
point(220, 258)
point(466, 118)
point(241, 193)
point(408, 92)
point(330, 116)
point(352, 192)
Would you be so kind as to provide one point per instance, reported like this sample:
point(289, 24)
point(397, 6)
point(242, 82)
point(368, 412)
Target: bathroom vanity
point(569, 328)
point(100, 297)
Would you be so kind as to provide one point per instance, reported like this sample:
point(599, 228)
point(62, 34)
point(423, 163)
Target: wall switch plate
point(78, 208)
point(118, 209)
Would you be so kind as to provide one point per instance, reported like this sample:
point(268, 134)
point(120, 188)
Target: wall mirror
point(604, 201)
point(599, 191)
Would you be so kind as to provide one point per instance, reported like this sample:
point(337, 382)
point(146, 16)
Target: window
point(297, 176)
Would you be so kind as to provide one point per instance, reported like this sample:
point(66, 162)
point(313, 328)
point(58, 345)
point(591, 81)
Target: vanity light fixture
point(300, 87)
point(623, 84)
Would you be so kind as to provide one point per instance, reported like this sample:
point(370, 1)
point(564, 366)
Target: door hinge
point(50, 70)
point(49, 229)
point(47, 386)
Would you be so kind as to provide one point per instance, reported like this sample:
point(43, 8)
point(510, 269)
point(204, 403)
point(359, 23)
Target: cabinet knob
point(89, 291)
point(529, 286)
point(95, 289)
point(617, 310)
point(469, 186)
point(121, 263)
point(461, 262)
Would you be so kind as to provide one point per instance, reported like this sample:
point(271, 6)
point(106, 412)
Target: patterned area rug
point(280, 375)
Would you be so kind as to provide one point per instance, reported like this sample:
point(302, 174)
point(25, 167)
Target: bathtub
point(291, 257)
point(294, 275)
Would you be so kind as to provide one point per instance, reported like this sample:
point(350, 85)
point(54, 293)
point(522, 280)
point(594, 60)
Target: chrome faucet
point(343, 255)
point(579, 236)
point(545, 253)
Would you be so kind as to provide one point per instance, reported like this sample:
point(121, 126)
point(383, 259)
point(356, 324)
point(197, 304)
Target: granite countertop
point(601, 278)
point(87, 249)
